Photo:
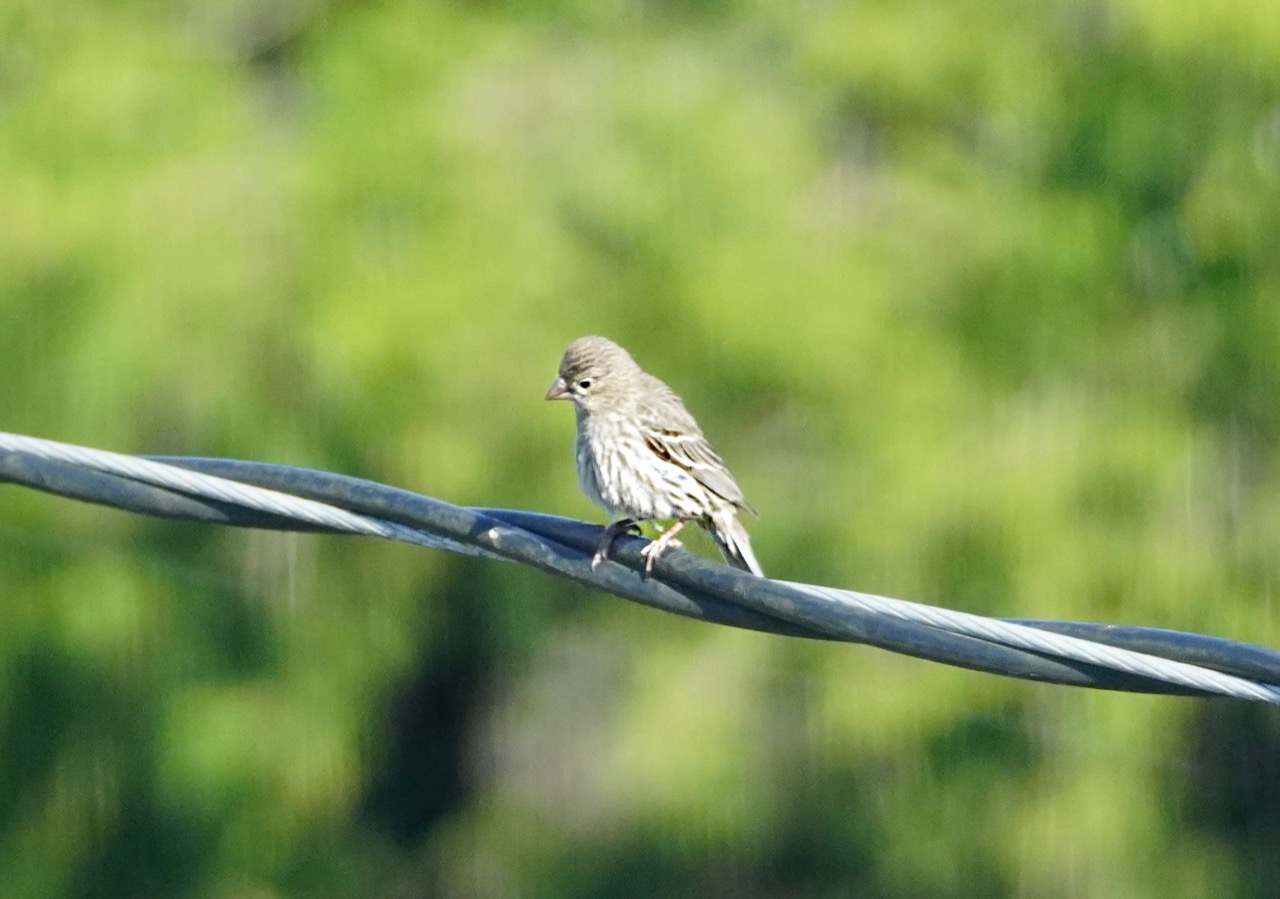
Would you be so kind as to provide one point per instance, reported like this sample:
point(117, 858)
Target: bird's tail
point(727, 530)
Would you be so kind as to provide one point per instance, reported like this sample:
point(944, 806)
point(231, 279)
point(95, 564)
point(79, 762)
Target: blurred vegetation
point(981, 301)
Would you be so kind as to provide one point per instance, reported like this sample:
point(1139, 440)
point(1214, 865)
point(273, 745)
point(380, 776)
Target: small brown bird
point(641, 455)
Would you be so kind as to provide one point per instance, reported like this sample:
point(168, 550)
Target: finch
point(641, 456)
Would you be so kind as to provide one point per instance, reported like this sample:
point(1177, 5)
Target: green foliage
point(979, 300)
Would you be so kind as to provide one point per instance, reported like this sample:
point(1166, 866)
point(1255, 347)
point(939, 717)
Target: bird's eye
point(585, 383)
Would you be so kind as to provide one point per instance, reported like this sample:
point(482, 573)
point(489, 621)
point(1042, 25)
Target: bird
point(641, 455)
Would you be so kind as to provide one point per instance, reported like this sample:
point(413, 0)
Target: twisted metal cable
point(261, 499)
point(260, 495)
point(1026, 637)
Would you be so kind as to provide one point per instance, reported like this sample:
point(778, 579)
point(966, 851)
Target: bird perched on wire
point(642, 456)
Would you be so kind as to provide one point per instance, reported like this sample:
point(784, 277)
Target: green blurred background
point(980, 300)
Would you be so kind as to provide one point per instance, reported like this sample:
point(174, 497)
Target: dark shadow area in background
point(421, 775)
point(1232, 792)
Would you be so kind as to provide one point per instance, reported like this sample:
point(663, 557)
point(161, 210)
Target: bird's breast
point(618, 471)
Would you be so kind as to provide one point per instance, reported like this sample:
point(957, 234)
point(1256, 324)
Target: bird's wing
point(671, 432)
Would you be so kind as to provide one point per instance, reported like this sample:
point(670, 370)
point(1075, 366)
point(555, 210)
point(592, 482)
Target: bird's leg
point(657, 547)
point(611, 533)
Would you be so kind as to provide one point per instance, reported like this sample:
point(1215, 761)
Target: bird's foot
point(666, 540)
point(611, 533)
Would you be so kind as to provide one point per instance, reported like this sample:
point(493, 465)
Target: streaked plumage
point(642, 456)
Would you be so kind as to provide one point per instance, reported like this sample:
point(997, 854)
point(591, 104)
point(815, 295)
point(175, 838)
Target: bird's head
point(594, 374)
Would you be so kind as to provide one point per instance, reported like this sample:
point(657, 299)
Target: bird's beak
point(558, 390)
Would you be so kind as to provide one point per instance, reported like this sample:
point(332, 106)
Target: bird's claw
point(652, 550)
point(611, 533)
point(659, 546)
